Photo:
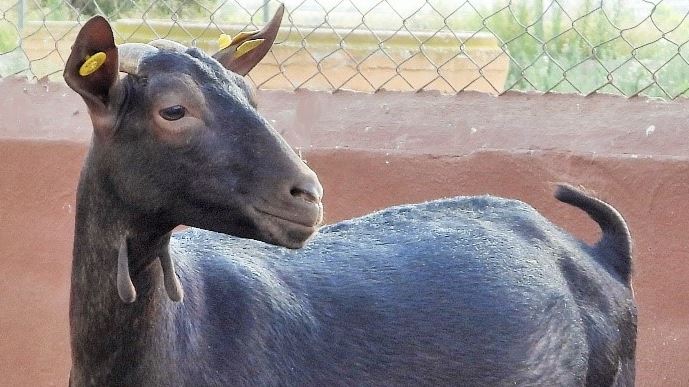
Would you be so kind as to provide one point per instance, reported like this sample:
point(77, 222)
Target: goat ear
point(247, 49)
point(92, 71)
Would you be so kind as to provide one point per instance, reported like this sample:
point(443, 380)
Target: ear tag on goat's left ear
point(92, 63)
point(224, 41)
point(242, 36)
point(247, 46)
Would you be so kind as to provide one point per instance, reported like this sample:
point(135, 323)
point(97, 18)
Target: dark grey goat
point(474, 291)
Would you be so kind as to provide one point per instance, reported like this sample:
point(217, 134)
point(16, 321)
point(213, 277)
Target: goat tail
point(616, 238)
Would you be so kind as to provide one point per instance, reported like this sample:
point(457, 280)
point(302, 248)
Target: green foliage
point(9, 38)
point(590, 46)
point(599, 49)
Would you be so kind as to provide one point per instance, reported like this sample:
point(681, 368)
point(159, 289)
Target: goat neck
point(102, 221)
point(103, 224)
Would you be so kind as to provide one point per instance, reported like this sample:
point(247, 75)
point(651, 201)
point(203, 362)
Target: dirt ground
point(371, 151)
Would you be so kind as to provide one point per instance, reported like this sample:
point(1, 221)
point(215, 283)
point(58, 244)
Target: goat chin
point(284, 232)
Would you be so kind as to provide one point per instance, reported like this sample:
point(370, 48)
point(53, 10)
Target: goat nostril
point(306, 195)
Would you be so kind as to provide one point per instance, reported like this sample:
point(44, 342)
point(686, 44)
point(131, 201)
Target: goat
point(471, 291)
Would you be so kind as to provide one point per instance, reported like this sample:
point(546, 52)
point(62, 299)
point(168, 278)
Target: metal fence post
point(266, 11)
point(20, 14)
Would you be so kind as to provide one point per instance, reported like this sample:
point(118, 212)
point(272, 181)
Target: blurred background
point(625, 47)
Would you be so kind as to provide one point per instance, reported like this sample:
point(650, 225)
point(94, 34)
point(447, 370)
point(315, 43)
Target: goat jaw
point(172, 286)
point(130, 54)
point(125, 287)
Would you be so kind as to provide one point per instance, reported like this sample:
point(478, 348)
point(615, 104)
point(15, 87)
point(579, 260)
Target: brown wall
point(371, 151)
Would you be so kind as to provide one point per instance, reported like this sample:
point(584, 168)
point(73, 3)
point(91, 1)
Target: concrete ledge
point(418, 123)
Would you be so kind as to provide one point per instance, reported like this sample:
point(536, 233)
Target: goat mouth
point(293, 221)
point(286, 231)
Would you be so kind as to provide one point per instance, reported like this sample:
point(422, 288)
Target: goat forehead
point(176, 86)
point(201, 67)
point(205, 71)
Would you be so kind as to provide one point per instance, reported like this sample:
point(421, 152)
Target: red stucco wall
point(371, 151)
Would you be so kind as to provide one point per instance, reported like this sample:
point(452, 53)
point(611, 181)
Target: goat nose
point(309, 190)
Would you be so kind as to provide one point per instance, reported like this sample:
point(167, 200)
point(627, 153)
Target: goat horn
point(130, 55)
point(172, 286)
point(125, 287)
point(164, 44)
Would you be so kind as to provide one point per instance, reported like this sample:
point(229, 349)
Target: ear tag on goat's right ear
point(224, 41)
point(92, 64)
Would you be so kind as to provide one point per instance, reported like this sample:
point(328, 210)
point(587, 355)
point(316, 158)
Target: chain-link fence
point(627, 47)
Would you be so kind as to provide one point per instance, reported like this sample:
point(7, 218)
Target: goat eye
point(173, 113)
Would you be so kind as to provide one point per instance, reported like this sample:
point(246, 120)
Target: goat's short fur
point(464, 291)
point(470, 291)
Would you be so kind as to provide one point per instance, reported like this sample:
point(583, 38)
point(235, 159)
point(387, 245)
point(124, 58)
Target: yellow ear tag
point(247, 46)
point(244, 35)
point(92, 64)
point(224, 41)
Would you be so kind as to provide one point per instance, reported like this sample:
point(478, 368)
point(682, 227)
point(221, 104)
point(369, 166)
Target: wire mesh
point(627, 47)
